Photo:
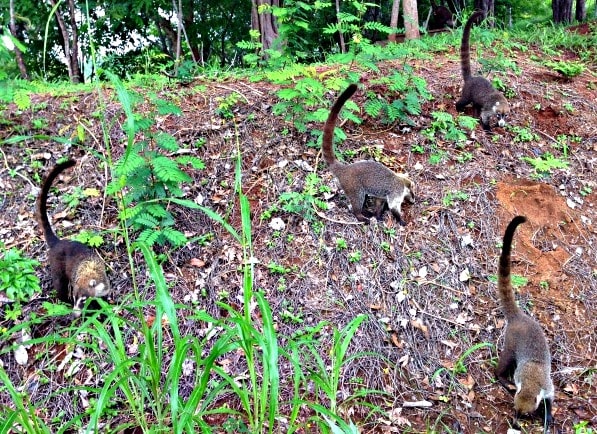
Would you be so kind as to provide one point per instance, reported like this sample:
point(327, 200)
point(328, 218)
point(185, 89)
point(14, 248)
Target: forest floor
point(424, 286)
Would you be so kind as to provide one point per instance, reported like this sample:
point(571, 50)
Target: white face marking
point(101, 290)
point(501, 122)
point(396, 204)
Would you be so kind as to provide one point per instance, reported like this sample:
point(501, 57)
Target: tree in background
point(581, 10)
point(411, 19)
point(394, 20)
point(562, 11)
point(14, 33)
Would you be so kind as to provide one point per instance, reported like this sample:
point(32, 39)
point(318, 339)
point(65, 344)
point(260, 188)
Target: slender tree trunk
point(72, 59)
point(394, 20)
point(74, 54)
point(340, 34)
point(411, 19)
point(18, 54)
point(581, 10)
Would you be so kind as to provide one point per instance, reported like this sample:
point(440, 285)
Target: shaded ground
point(425, 286)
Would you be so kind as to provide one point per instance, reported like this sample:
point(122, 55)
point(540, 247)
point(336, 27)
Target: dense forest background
point(55, 39)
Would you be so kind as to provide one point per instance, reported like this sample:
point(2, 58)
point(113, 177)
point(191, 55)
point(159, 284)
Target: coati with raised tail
point(77, 272)
point(525, 356)
point(364, 178)
point(477, 90)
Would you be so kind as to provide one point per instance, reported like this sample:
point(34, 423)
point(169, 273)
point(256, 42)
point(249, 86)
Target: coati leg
point(461, 104)
point(357, 200)
point(504, 370)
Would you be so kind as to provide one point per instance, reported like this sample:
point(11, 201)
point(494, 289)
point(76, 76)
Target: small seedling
point(355, 256)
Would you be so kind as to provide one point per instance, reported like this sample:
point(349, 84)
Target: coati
point(364, 178)
point(525, 356)
point(476, 89)
point(441, 17)
point(77, 272)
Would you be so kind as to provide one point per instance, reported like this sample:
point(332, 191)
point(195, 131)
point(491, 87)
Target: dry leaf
point(418, 324)
point(196, 262)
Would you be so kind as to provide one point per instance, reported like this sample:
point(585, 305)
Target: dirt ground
point(425, 286)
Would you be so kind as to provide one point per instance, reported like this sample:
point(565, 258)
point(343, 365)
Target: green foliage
point(408, 91)
point(523, 134)
point(302, 203)
point(90, 238)
point(452, 196)
point(544, 164)
point(147, 179)
point(517, 280)
point(445, 126)
point(226, 105)
point(17, 275)
point(297, 104)
point(566, 68)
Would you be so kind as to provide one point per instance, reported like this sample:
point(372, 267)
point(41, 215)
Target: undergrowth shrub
point(406, 92)
point(147, 177)
point(18, 279)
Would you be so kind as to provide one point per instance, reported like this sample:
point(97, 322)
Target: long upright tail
point(42, 209)
point(506, 293)
point(465, 52)
point(328, 129)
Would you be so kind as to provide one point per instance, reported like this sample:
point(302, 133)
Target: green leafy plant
point(406, 93)
point(302, 203)
point(445, 126)
point(355, 256)
point(544, 164)
point(450, 197)
point(17, 275)
point(523, 134)
point(90, 238)
point(148, 179)
point(566, 68)
point(517, 280)
point(226, 105)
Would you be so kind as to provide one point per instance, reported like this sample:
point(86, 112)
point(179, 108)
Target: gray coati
point(77, 272)
point(477, 90)
point(525, 356)
point(364, 178)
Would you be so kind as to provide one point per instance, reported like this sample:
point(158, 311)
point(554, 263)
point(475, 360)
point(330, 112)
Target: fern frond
point(167, 142)
point(167, 170)
point(175, 237)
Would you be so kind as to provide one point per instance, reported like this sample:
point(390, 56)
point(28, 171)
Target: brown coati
point(441, 17)
point(477, 90)
point(364, 178)
point(525, 356)
point(77, 272)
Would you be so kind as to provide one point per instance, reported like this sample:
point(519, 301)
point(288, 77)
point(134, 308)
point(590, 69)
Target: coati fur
point(364, 178)
point(487, 101)
point(77, 272)
point(441, 17)
point(525, 356)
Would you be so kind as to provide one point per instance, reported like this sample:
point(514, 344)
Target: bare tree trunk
point(581, 10)
point(562, 11)
point(18, 54)
point(264, 22)
point(394, 20)
point(411, 19)
point(72, 59)
point(340, 34)
point(74, 54)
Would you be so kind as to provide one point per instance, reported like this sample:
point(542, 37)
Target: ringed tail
point(328, 129)
point(42, 208)
point(465, 54)
point(506, 293)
